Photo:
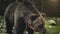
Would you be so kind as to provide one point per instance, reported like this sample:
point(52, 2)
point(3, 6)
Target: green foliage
point(2, 24)
point(54, 29)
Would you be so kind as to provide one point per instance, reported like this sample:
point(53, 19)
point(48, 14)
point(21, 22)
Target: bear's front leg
point(19, 26)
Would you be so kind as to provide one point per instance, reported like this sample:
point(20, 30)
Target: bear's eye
point(33, 18)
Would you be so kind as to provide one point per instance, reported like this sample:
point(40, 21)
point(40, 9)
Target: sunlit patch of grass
point(54, 29)
point(2, 25)
point(46, 24)
point(37, 33)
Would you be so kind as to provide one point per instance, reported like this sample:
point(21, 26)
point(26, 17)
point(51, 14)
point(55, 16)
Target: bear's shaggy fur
point(21, 15)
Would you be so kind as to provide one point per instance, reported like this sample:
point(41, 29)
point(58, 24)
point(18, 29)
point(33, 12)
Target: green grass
point(54, 30)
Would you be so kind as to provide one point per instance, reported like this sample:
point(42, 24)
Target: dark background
point(50, 7)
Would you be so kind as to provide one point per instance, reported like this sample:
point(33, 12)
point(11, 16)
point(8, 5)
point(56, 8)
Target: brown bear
point(23, 15)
